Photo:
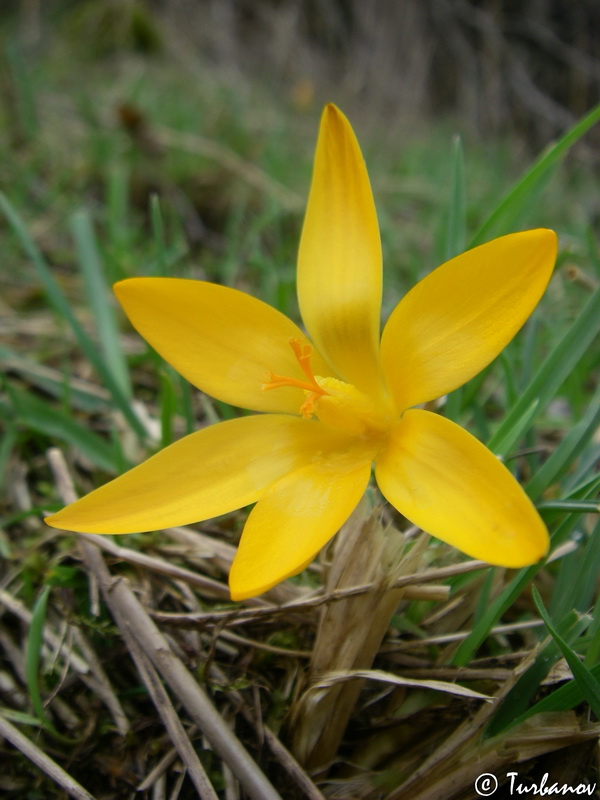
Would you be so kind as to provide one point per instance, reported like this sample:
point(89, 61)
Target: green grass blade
point(20, 717)
point(43, 418)
point(588, 683)
point(118, 223)
point(510, 370)
point(33, 652)
point(33, 656)
point(502, 445)
point(589, 484)
point(457, 216)
point(168, 403)
point(593, 654)
point(158, 231)
point(187, 404)
point(61, 305)
point(53, 383)
point(530, 182)
point(517, 700)
point(555, 369)
point(484, 596)
point(564, 699)
point(23, 91)
point(496, 609)
point(574, 506)
point(97, 295)
point(577, 578)
point(584, 484)
point(7, 442)
point(567, 451)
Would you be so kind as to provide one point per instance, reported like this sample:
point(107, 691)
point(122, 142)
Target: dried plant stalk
point(545, 733)
point(130, 616)
point(43, 761)
point(350, 631)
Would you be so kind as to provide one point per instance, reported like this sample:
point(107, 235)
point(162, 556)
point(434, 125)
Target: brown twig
point(171, 721)
point(209, 585)
point(41, 760)
point(281, 753)
point(130, 616)
point(245, 615)
point(459, 636)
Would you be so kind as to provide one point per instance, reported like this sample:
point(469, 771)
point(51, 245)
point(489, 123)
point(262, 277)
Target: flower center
point(337, 404)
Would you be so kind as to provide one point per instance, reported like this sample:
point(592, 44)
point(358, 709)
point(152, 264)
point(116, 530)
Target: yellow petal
point(456, 320)
point(210, 472)
point(446, 482)
point(293, 520)
point(339, 262)
point(223, 341)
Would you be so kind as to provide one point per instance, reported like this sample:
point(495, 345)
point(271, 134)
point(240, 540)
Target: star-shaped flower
point(337, 399)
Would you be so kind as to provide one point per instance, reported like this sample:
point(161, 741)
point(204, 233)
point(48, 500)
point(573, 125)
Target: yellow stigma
point(336, 404)
point(302, 351)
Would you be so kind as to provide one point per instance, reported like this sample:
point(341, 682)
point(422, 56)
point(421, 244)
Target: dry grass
point(297, 677)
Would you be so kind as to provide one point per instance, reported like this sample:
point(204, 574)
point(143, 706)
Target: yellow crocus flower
point(338, 400)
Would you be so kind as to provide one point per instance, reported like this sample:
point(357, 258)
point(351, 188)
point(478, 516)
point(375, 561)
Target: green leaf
point(158, 231)
point(20, 717)
point(43, 418)
point(502, 445)
point(457, 218)
point(168, 404)
point(54, 383)
point(545, 383)
point(7, 443)
point(33, 655)
point(593, 654)
point(33, 651)
point(518, 698)
point(584, 485)
point(187, 403)
point(585, 679)
point(117, 211)
point(567, 451)
point(563, 699)
point(22, 86)
point(575, 506)
point(522, 193)
point(495, 610)
point(59, 302)
point(97, 295)
point(577, 579)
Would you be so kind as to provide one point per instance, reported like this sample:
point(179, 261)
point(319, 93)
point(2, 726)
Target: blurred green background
point(176, 138)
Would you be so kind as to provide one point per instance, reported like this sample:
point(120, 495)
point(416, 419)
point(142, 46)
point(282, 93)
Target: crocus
point(337, 398)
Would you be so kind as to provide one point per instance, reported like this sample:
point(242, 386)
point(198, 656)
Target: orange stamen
point(302, 351)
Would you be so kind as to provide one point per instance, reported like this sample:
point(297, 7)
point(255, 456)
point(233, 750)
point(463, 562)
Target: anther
point(302, 351)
